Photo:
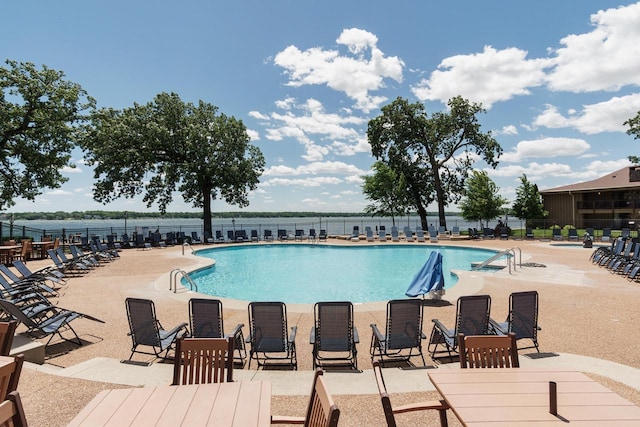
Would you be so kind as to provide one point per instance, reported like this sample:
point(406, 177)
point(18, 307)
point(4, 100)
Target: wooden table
point(514, 397)
point(222, 404)
point(42, 247)
point(7, 252)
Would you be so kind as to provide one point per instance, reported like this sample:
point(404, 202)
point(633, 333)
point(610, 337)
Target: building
point(610, 201)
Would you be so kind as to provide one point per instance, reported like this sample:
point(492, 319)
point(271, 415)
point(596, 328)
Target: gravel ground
point(584, 310)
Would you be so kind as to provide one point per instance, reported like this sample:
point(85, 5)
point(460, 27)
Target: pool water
point(307, 273)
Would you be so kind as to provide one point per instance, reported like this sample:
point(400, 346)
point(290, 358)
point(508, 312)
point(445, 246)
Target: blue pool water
point(306, 273)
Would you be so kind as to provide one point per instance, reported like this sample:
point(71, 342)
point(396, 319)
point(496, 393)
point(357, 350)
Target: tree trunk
point(437, 184)
point(206, 206)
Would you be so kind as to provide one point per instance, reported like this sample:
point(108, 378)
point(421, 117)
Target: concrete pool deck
point(588, 317)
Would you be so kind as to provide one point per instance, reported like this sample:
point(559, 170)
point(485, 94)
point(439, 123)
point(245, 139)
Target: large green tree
point(39, 116)
point(386, 190)
point(168, 145)
point(434, 153)
point(528, 203)
point(482, 200)
point(634, 130)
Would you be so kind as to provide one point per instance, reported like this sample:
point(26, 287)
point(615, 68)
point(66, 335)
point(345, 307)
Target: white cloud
point(305, 182)
point(67, 169)
point(607, 116)
point(546, 148)
point(59, 192)
point(507, 130)
point(356, 76)
point(258, 115)
point(541, 171)
point(487, 77)
point(606, 58)
point(336, 168)
point(253, 134)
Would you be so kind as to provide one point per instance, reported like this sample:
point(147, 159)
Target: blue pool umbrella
point(429, 278)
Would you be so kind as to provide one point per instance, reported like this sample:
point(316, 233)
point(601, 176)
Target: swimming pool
point(307, 273)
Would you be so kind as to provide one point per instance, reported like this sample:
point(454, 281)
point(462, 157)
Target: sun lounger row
point(622, 257)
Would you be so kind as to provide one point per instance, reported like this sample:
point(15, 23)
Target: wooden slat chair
point(390, 411)
point(321, 411)
point(203, 361)
point(7, 332)
point(10, 376)
point(488, 351)
point(12, 412)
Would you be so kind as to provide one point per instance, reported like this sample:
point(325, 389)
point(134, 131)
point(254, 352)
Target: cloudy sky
point(557, 79)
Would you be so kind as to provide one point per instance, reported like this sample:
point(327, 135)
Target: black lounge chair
point(472, 318)
point(254, 236)
point(282, 235)
point(19, 285)
point(43, 319)
point(403, 332)
point(299, 235)
point(334, 336)
point(146, 330)
point(268, 236)
point(522, 318)
point(195, 239)
point(322, 235)
point(205, 320)
point(312, 234)
point(269, 337)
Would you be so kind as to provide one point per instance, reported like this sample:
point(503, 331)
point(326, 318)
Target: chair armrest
point(292, 335)
point(443, 330)
point(235, 331)
point(377, 333)
point(356, 337)
point(282, 419)
point(421, 406)
point(312, 335)
point(498, 328)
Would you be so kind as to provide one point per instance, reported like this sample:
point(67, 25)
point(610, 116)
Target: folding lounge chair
point(488, 351)
point(299, 235)
point(146, 330)
point(433, 236)
point(206, 321)
point(382, 236)
point(321, 410)
point(322, 235)
point(46, 319)
point(419, 235)
point(334, 336)
point(203, 361)
point(46, 274)
point(19, 285)
point(254, 236)
point(529, 233)
point(282, 235)
point(403, 332)
point(472, 318)
point(522, 318)
point(395, 237)
point(390, 411)
point(219, 237)
point(312, 236)
point(195, 239)
point(369, 235)
point(557, 233)
point(573, 234)
point(455, 231)
point(268, 236)
point(268, 335)
point(231, 236)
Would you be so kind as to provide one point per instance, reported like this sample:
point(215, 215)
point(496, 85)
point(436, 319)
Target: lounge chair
point(69, 266)
point(268, 236)
point(268, 336)
point(321, 410)
point(299, 234)
point(12, 411)
point(395, 237)
point(219, 237)
point(382, 235)
point(323, 235)
point(472, 318)
point(529, 233)
point(355, 234)
point(504, 233)
point(19, 285)
point(473, 233)
point(195, 239)
point(312, 236)
point(455, 231)
point(390, 411)
point(403, 332)
point(206, 321)
point(254, 236)
point(522, 318)
point(573, 234)
point(433, 236)
point(369, 235)
point(442, 231)
point(241, 236)
point(487, 233)
point(88, 259)
point(282, 234)
point(45, 319)
point(625, 233)
point(203, 361)
point(146, 330)
point(334, 336)
point(53, 275)
point(419, 235)
point(408, 234)
point(488, 351)
point(231, 236)
point(556, 233)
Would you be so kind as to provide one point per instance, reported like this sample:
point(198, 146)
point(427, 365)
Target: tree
point(528, 203)
point(634, 129)
point(482, 199)
point(168, 145)
point(433, 153)
point(39, 114)
point(386, 189)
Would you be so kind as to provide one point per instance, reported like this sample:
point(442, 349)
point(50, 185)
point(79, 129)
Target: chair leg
point(443, 418)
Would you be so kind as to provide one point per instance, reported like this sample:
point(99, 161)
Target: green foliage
point(168, 145)
point(387, 190)
point(528, 203)
point(434, 154)
point(482, 199)
point(634, 129)
point(39, 114)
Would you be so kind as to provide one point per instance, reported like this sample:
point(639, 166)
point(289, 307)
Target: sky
point(557, 80)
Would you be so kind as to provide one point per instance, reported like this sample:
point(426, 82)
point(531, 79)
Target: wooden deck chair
point(10, 376)
point(321, 410)
point(403, 332)
point(7, 332)
point(203, 361)
point(522, 319)
point(146, 330)
point(390, 411)
point(488, 351)
point(12, 411)
point(268, 335)
point(472, 318)
point(206, 321)
point(334, 335)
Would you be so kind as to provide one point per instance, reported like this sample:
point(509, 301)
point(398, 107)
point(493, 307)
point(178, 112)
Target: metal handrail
point(510, 253)
point(173, 280)
point(190, 247)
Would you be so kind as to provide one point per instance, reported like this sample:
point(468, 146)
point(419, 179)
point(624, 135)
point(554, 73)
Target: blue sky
point(558, 79)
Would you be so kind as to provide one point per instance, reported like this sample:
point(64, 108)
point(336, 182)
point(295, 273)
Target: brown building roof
point(628, 177)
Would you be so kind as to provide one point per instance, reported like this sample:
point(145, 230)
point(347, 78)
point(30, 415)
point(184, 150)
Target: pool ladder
point(173, 280)
point(511, 257)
